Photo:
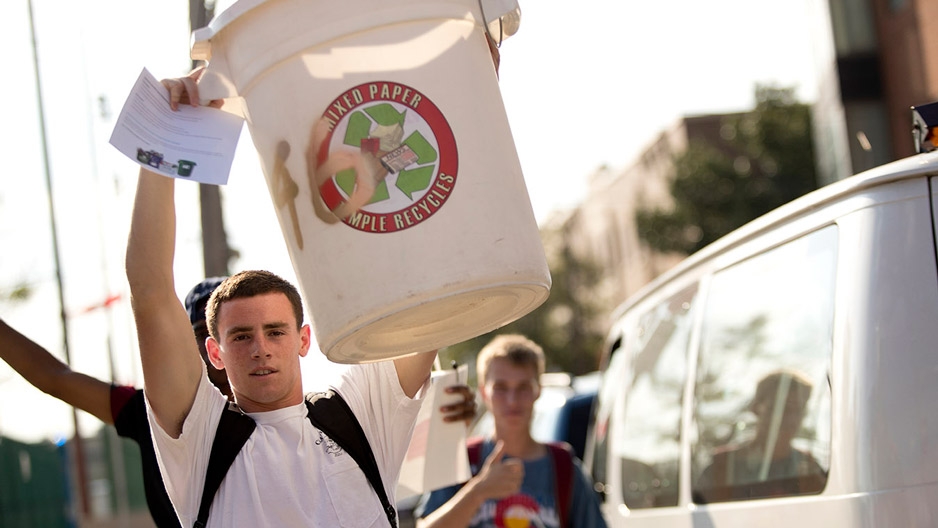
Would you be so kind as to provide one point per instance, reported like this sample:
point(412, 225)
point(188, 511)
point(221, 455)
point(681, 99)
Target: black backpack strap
point(329, 413)
point(234, 429)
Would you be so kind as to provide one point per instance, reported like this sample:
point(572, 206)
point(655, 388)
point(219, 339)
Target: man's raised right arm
point(168, 352)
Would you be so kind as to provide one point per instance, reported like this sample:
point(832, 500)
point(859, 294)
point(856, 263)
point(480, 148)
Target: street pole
point(80, 470)
point(215, 250)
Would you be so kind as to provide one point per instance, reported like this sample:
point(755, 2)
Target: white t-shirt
point(289, 474)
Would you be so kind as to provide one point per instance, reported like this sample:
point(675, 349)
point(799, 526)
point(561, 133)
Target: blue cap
point(198, 296)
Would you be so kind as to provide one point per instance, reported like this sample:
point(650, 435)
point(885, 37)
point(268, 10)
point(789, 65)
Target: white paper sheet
point(192, 143)
point(437, 454)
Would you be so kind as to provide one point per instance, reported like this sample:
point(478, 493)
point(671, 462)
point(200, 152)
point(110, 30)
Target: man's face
point(509, 392)
point(260, 348)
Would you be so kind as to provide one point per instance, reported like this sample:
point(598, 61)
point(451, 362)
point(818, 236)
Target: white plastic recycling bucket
point(390, 109)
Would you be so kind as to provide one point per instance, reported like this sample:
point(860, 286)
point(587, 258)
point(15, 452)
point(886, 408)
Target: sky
point(585, 84)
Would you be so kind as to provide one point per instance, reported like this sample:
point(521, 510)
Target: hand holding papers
point(194, 143)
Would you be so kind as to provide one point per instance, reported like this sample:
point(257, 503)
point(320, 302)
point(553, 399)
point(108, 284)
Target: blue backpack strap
point(234, 429)
point(562, 458)
point(329, 413)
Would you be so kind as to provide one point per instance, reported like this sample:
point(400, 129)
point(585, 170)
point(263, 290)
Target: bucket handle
point(505, 19)
point(488, 31)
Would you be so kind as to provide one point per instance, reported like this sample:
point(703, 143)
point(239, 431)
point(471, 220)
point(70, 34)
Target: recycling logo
point(407, 152)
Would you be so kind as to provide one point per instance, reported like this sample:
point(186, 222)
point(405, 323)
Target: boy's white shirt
point(289, 473)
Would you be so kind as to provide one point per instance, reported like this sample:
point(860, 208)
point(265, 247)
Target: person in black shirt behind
point(122, 406)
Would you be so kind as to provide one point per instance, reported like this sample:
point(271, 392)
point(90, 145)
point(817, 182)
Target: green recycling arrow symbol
point(410, 180)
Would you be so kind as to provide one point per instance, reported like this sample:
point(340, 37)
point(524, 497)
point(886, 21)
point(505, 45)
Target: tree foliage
point(715, 191)
point(16, 293)
point(562, 325)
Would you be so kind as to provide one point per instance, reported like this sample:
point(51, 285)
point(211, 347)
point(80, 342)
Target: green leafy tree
point(563, 324)
point(769, 162)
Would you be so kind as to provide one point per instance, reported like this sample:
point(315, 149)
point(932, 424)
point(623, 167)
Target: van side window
point(762, 394)
point(648, 449)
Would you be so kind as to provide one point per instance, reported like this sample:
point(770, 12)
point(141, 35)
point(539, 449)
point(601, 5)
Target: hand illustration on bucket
point(322, 165)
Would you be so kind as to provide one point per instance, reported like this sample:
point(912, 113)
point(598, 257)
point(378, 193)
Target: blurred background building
point(875, 60)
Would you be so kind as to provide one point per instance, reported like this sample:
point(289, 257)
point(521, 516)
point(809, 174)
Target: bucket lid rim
point(224, 18)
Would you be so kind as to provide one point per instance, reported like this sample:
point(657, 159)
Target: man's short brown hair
point(516, 348)
point(250, 283)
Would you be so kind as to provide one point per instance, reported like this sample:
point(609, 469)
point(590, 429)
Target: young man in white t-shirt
point(288, 473)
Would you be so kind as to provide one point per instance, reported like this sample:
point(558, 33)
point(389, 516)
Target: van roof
point(907, 168)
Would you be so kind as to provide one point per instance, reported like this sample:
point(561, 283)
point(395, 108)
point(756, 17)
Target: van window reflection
point(768, 464)
point(762, 393)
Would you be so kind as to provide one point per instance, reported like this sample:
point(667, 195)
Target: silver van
point(784, 375)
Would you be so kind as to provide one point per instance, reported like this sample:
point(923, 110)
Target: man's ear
point(304, 340)
point(214, 353)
